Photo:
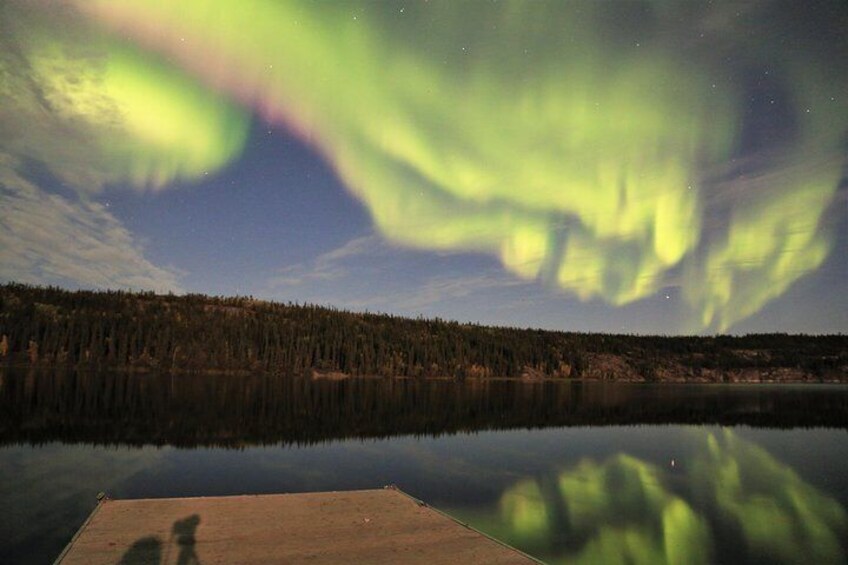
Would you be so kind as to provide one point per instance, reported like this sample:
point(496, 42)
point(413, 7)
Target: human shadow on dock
point(148, 550)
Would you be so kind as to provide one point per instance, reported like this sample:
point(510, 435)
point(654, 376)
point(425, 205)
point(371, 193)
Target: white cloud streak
point(440, 289)
point(363, 273)
point(50, 239)
point(330, 266)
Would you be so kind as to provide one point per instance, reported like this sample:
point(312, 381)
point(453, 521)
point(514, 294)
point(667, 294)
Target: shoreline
point(334, 376)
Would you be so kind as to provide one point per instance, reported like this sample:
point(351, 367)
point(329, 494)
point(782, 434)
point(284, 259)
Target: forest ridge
point(49, 326)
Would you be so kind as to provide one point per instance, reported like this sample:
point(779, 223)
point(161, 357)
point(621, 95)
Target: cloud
point(50, 239)
point(348, 273)
point(93, 110)
point(97, 110)
point(439, 290)
point(331, 265)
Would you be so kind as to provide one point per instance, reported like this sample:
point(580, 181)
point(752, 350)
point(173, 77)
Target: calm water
point(566, 472)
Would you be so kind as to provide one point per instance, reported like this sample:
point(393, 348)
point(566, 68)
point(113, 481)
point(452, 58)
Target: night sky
point(648, 167)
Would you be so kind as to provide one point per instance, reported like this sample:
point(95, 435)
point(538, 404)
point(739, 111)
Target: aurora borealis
point(601, 153)
point(627, 510)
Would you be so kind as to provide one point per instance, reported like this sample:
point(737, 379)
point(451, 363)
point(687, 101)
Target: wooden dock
point(367, 526)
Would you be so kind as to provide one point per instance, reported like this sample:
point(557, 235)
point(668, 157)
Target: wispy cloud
point(50, 239)
point(439, 289)
point(96, 111)
point(70, 112)
point(329, 266)
point(369, 273)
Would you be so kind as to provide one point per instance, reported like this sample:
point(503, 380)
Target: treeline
point(48, 326)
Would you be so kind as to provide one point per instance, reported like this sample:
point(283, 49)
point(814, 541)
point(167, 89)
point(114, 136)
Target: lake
point(567, 472)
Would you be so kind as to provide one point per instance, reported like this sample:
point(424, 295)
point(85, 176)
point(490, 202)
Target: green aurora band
point(124, 114)
point(577, 148)
point(625, 510)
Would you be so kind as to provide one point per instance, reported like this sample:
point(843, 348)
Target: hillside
point(147, 332)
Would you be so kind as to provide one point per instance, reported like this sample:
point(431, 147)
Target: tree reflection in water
point(191, 410)
point(733, 500)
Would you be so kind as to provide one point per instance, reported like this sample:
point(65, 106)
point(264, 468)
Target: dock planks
point(367, 526)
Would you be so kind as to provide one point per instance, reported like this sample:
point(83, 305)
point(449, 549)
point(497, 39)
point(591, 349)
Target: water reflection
point(616, 512)
point(778, 514)
point(728, 500)
point(193, 410)
point(560, 480)
point(46, 491)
